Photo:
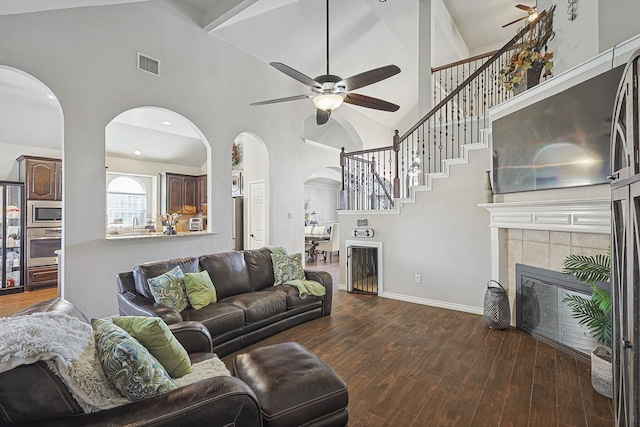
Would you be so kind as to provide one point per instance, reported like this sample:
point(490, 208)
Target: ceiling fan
point(329, 91)
point(532, 13)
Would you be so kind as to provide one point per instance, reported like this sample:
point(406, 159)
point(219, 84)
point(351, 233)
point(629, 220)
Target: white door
point(257, 217)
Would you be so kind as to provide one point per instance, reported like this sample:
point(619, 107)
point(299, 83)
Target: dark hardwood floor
point(413, 365)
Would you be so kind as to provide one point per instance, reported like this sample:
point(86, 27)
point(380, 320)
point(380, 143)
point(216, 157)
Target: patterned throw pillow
point(156, 337)
point(287, 267)
point(169, 289)
point(133, 371)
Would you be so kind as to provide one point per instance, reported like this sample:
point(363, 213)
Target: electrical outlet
point(290, 215)
point(418, 279)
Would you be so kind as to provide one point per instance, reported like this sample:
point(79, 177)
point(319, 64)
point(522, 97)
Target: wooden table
point(314, 239)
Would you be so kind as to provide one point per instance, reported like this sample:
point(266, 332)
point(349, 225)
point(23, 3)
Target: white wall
point(444, 237)
point(599, 26)
point(618, 20)
point(449, 46)
point(324, 200)
point(90, 67)
point(9, 170)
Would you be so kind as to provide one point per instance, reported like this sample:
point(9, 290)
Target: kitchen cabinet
point(42, 177)
point(39, 277)
point(202, 192)
point(11, 237)
point(181, 194)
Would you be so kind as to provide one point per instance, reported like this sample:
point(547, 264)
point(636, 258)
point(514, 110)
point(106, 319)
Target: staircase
point(377, 179)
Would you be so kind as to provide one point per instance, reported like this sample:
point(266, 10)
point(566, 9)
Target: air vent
point(148, 64)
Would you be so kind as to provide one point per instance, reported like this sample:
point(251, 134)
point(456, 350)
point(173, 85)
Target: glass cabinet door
point(11, 237)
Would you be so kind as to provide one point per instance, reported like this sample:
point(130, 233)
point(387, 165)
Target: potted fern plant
point(594, 313)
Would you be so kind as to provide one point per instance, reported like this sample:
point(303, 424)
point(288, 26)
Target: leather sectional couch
point(32, 395)
point(249, 307)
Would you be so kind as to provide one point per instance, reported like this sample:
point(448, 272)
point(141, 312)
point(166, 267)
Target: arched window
point(126, 200)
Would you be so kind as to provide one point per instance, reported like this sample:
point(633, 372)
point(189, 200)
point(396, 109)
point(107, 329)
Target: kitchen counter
point(146, 235)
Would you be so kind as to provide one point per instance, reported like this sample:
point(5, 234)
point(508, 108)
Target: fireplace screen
point(541, 311)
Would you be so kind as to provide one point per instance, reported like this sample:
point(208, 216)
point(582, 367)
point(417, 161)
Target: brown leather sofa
point(32, 395)
point(249, 307)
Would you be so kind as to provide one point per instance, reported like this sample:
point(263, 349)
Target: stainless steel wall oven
point(41, 246)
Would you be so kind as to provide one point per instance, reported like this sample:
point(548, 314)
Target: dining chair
point(332, 245)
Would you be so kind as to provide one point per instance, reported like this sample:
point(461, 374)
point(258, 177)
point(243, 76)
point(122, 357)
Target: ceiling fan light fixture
point(328, 101)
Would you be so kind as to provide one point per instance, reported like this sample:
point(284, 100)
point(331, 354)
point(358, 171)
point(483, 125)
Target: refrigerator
point(237, 225)
point(11, 237)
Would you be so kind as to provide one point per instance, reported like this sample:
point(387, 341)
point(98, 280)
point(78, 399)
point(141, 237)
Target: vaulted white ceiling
point(365, 34)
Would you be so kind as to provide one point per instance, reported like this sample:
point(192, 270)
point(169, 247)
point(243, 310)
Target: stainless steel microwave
point(44, 213)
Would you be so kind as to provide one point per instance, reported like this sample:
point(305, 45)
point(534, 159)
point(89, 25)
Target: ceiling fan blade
point(294, 74)
point(369, 102)
point(369, 77)
point(513, 22)
point(322, 116)
point(288, 98)
point(524, 7)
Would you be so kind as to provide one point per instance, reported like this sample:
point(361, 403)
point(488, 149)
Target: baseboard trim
point(434, 303)
point(425, 301)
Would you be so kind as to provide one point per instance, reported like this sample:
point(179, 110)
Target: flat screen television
point(561, 141)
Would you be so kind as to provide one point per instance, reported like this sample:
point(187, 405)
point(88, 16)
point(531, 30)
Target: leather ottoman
point(294, 387)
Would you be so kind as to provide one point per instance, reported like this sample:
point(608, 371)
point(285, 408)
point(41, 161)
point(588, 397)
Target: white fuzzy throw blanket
point(67, 346)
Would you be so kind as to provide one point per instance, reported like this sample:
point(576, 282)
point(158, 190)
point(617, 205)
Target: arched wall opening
point(170, 156)
point(31, 124)
point(250, 190)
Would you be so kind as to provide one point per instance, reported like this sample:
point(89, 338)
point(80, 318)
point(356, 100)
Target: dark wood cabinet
point(39, 277)
point(183, 193)
point(42, 177)
point(174, 193)
point(202, 192)
point(625, 247)
point(189, 195)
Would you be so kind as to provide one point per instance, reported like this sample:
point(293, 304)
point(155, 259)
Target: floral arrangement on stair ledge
point(530, 57)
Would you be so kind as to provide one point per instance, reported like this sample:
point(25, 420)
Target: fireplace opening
point(542, 313)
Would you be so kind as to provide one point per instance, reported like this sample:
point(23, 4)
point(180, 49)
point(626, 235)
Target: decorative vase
point(488, 198)
point(170, 230)
point(531, 78)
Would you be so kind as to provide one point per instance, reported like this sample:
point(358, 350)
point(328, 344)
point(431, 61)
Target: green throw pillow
point(287, 267)
point(200, 289)
point(168, 289)
point(133, 371)
point(156, 337)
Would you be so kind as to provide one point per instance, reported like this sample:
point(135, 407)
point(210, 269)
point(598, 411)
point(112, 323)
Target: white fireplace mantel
point(586, 216)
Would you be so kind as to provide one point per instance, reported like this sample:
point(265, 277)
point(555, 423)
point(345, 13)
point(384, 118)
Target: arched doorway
point(250, 191)
point(24, 102)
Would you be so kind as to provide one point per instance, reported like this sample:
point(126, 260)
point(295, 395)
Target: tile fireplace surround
point(540, 228)
point(542, 234)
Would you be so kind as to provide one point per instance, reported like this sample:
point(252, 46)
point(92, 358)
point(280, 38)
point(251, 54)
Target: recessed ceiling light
point(137, 152)
point(166, 123)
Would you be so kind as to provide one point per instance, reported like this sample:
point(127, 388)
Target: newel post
point(343, 193)
point(396, 179)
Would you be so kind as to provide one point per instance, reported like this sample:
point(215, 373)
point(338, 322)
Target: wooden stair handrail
point(463, 61)
point(466, 82)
